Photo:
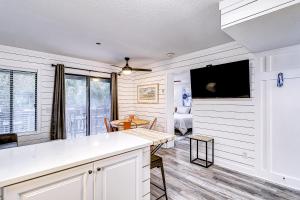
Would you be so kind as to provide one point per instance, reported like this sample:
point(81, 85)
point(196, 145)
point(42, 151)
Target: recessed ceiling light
point(170, 54)
point(98, 43)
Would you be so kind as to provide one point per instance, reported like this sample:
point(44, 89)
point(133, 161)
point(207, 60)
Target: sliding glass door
point(100, 102)
point(88, 101)
point(76, 105)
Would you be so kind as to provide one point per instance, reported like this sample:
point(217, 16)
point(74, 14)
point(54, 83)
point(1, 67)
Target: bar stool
point(8, 140)
point(157, 162)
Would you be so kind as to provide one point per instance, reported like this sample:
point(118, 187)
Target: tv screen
point(229, 80)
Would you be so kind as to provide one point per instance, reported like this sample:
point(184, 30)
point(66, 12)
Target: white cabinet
point(114, 178)
point(119, 179)
point(75, 184)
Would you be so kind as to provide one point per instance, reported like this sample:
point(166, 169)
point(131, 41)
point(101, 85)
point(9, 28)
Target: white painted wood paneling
point(27, 60)
point(126, 95)
point(278, 112)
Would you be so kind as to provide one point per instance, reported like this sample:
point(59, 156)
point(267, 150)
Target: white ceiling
point(142, 29)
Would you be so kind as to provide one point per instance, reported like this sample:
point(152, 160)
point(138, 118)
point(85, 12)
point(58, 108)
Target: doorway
point(180, 104)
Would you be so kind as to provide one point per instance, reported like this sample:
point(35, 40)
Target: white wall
point(232, 122)
point(127, 92)
point(27, 60)
point(277, 116)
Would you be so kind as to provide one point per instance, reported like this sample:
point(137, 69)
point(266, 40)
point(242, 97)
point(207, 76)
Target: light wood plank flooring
point(187, 181)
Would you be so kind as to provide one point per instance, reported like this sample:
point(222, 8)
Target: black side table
point(196, 160)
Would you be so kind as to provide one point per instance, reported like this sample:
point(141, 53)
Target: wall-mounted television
point(230, 80)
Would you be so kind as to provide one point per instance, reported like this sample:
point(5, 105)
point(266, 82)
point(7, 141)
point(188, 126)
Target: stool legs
point(159, 164)
point(164, 180)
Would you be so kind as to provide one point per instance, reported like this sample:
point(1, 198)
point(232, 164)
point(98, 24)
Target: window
point(88, 102)
point(18, 100)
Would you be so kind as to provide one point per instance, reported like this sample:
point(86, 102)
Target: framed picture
point(147, 93)
point(186, 97)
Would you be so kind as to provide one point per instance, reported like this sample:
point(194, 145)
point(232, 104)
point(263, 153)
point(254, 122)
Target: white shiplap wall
point(126, 95)
point(22, 59)
point(151, 111)
point(230, 121)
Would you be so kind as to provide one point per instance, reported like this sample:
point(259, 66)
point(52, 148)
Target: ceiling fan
point(126, 70)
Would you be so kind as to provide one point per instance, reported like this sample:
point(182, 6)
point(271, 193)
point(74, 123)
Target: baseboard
point(280, 179)
point(274, 178)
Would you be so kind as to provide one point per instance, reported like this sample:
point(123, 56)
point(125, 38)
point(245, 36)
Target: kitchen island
point(110, 166)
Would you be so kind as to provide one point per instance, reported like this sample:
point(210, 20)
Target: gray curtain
point(114, 97)
point(58, 126)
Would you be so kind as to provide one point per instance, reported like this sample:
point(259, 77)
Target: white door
point(282, 117)
point(119, 177)
point(72, 184)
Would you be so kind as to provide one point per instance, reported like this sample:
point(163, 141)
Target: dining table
point(157, 138)
point(137, 121)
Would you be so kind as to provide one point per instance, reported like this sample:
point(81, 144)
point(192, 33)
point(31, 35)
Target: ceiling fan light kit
point(126, 70)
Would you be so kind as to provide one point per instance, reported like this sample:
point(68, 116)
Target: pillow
point(183, 110)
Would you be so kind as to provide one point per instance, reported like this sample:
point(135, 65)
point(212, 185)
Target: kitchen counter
point(28, 162)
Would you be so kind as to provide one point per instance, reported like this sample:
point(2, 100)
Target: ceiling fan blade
point(115, 66)
point(141, 70)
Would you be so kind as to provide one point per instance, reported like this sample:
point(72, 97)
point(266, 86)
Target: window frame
point(88, 96)
point(11, 71)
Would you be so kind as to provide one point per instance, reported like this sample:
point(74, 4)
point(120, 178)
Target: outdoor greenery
point(22, 86)
point(77, 100)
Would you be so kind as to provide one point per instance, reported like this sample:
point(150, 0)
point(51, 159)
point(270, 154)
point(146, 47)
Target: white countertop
point(26, 162)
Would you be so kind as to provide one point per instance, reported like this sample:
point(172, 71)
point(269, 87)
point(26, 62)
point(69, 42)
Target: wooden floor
point(186, 181)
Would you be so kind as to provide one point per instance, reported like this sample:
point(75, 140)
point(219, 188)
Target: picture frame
point(148, 94)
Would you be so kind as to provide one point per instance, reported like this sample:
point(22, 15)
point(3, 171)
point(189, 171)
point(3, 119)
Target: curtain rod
point(53, 65)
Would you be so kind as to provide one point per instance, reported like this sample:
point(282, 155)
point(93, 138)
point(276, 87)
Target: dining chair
point(153, 123)
point(8, 140)
point(107, 125)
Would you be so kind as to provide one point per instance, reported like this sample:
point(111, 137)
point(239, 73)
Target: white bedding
point(183, 122)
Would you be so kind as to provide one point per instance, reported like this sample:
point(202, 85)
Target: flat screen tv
point(230, 80)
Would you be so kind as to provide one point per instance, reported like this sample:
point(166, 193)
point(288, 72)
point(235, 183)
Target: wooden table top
point(155, 137)
point(139, 122)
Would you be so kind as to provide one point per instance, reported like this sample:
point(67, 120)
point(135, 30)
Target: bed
point(183, 121)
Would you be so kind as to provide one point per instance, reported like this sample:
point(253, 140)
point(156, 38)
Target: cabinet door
point(75, 184)
point(119, 177)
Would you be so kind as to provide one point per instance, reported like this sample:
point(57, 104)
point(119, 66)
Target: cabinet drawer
point(248, 9)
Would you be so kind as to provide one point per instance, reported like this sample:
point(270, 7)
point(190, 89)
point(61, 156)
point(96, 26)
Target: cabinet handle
point(98, 169)
point(90, 171)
